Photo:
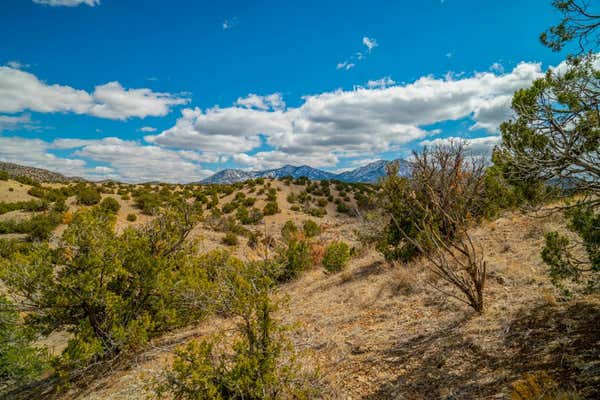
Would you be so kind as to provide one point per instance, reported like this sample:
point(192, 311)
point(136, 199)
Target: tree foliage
point(579, 22)
point(111, 291)
point(261, 365)
point(443, 178)
point(429, 214)
point(20, 361)
point(555, 139)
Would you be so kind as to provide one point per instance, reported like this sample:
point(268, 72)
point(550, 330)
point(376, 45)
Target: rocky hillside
point(39, 174)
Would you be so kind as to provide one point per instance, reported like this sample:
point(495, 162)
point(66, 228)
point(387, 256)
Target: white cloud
point(222, 130)
point(124, 160)
point(34, 153)
point(20, 90)
point(147, 129)
point(370, 43)
point(276, 159)
point(133, 162)
point(8, 122)
point(338, 124)
point(270, 102)
point(202, 157)
point(381, 83)
point(358, 56)
point(481, 146)
point(345, 65)
point(17, 64)
point(497, 67)
point(68, 3)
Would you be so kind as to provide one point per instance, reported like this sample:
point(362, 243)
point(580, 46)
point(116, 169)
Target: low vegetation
point(224, 256)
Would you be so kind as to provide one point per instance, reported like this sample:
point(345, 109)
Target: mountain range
point(369, 173)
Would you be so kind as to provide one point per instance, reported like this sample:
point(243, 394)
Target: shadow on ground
point(563, 341)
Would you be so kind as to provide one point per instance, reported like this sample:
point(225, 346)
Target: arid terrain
point(380, 330)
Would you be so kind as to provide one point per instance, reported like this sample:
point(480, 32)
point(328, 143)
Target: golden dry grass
point(19, 192)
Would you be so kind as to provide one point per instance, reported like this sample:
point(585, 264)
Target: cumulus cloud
point(34, 153)
point(123, 160)
point(133, 162)
point(497, 67)
point(348, 123)
point(270, 102)
point(275, 159)
point(481, 146)
point(222, 130)
point(67, 3)
point(21, 90)
point(17, 64)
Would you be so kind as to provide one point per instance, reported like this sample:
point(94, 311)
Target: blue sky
point(176, 90)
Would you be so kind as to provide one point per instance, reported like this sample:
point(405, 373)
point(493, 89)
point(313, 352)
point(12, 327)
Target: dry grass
point(19, 192)
point(379, 331)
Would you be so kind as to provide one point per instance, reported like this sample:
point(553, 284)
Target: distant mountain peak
point(369, 173)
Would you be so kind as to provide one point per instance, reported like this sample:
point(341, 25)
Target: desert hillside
point(377, 329)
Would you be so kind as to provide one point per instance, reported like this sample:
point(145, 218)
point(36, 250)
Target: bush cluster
point(336, 257)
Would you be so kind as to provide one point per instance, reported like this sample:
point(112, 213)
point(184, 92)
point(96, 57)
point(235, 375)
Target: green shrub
point(336, 256)
point(311, 228)
point(88, 196)
point(110, 205)
point(272, 195)
point(253, 239)
point(271, 208)
point(3, 176)
point(317, 212)
point(557, 252)
point(322, 202)
point(149, 203)
point(230, 239)
point(261, 364)
point(31, 205)
point(131, 217)
point(289, 231)
point(295, 207)
point(20, 361)
point(229, 207)
point(60, 206)
point(291, 198)
point(247, 217)
point(295, 258)
point(443, 194)
point(37, 191)
point(38, 227)
point(342, 208)
point(91, 260)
